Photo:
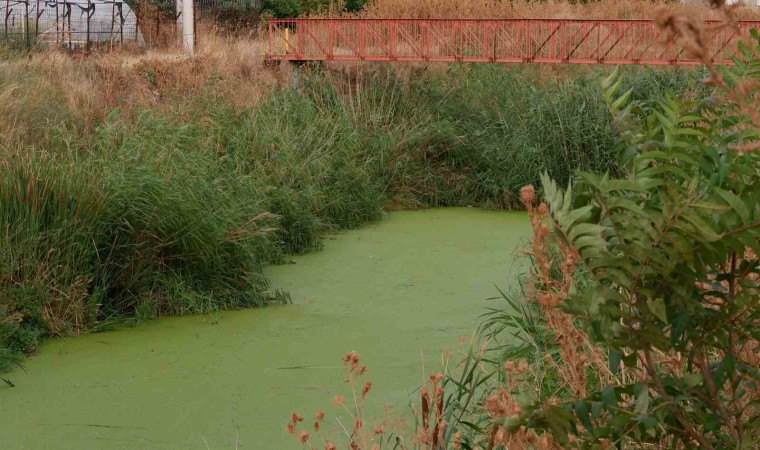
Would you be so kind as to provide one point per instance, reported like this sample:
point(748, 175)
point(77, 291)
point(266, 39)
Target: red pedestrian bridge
point(559, 41)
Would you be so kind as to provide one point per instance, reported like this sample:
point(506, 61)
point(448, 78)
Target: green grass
point(178, 212)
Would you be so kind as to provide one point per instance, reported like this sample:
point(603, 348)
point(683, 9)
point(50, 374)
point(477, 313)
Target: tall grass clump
point(463, 135)
point(50, 212)
point(505, 127)
point(133, 235)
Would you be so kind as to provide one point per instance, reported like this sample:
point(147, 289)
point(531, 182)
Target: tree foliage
point(296, 8)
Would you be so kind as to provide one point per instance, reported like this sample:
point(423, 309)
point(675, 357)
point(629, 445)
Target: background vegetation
point(547, 9)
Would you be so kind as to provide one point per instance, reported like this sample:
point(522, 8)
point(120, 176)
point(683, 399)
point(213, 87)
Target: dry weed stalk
point(67, 313)
point(549, 292)
point(502, 406)
point(360, 435)
point(53, 86)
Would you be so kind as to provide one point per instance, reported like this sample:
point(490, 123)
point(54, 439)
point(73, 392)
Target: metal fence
point(145, 23)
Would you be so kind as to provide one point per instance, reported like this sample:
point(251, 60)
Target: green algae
point(399, 292)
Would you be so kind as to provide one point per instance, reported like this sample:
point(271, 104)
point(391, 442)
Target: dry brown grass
point(552, 9)
point(54, 86)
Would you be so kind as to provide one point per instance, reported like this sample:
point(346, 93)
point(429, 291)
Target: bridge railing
point(488, 40)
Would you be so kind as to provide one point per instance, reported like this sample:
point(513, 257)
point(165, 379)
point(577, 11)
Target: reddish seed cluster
point(351, 364)
point(319, 416)
point(457, 440)
point(360, 437)
point(366, 388)
point(294, 419)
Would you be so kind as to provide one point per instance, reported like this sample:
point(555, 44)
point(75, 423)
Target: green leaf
point(691, 379)
point(710, 206)
point(642, 402)
point(607, 82)
point(582, 412)
point(608, 395)
point(690, 118)
point(575, 215)
point(657, 307)
point(559, 420)
point(615, 357)
point(705, 233)
point(621, 101)
point(735, 202)
point(596, 409)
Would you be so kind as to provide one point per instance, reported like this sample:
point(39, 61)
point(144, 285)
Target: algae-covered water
point(396, 292)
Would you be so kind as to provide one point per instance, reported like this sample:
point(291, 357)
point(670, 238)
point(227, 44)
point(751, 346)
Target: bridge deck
point(488, 40)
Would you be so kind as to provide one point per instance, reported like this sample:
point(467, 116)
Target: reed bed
point(139, 185)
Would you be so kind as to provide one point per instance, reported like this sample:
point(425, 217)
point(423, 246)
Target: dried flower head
point(436, 378)
point(457, 444)
point(351, 361)
point(366, 388)
point(528, 194)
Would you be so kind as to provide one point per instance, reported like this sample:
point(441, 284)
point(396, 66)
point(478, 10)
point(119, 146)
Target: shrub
point(671, 252)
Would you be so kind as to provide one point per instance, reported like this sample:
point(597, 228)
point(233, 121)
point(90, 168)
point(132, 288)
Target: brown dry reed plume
point(550, 291)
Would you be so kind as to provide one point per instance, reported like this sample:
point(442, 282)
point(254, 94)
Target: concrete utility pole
point(188, 26)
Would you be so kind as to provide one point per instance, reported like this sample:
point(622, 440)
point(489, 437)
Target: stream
point(399, 292)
